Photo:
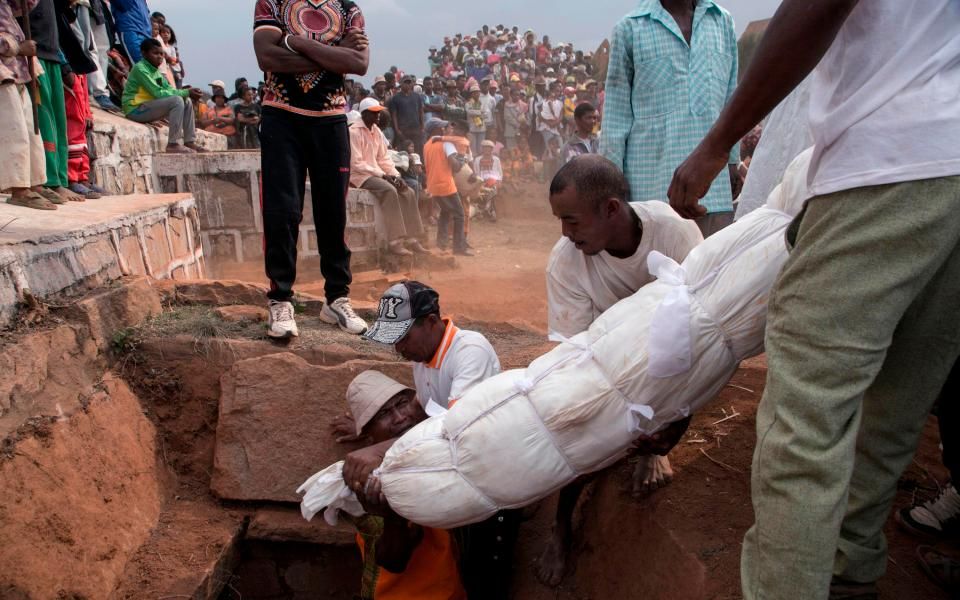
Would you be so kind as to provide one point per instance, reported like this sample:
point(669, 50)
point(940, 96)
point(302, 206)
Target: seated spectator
point(149, 97)
point(372, 169)
point(400, 559)
point(487, 168)
point(220, 119)
point(248, 120)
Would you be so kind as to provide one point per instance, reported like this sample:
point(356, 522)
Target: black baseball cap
point(400, 307)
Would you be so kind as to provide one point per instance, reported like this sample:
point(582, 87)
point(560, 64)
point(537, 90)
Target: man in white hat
point(400, 558)
point(372, 169)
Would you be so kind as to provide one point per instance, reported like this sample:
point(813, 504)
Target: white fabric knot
point(586, 352)
point(326, 491)
point(638, 416)
point(669, 344)
point(524, 386)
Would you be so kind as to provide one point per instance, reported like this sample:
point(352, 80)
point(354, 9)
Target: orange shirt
point(439, 176)
point(431, 574)
point(224, 112)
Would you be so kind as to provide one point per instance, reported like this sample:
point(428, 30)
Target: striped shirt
point(663, 95)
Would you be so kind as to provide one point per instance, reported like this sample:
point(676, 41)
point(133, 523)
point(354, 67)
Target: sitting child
point(149, 97)
point(487, 167)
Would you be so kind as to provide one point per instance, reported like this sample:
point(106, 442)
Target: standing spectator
point(304, 129)
point(165, 67)
point(239, 84)
point(432, 99)
point(454, 107)
point(655, 114)
point(550, 118)
point(103, 34)
point(441, 162)
point(584, 140)
point(169, 39)
point(477, 118)
point(133, 25)
point(51, 110)
point(406, 112)
point(514, 120)
point(372, 169)
point(488, 100)
point(221, 119)
point(79, 122)
point(23, 165)
point(248, 120)
point(862, 327)
point(149, 97)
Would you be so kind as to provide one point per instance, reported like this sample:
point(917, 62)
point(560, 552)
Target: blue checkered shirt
point(662, 96)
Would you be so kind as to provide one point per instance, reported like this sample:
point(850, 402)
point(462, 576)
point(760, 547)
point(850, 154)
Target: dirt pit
point(111, 479)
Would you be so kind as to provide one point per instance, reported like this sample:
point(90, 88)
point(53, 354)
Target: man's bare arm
point(798, 36)
point(273, 57)
point(341, 59)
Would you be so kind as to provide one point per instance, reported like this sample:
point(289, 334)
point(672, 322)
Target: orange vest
point(439, 176)
point(431, 574)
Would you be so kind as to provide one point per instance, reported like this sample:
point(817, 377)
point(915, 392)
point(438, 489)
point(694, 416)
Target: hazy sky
point(215, 36)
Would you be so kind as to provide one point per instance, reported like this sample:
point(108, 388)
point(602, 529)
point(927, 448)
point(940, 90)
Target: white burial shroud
point(649, 360)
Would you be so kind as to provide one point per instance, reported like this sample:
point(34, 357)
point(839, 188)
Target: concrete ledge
point(84, 245)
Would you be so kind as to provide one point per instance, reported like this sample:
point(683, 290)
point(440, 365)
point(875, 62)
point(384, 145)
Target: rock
point(243, 314)
point(274, 425)
point(220, 293)
point(288, 525)
point(126, 305)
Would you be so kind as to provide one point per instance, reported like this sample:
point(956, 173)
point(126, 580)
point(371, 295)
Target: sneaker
point(105, 103)
point(79, 188)
point(938, 518)
point(339, 312)
point(282, 324)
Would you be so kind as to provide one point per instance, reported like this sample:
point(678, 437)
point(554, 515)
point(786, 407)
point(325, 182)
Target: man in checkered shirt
point(673, 66)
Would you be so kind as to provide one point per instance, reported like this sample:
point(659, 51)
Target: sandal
point(32, 200)
point(942, 569)
point(51, 195)
point(82, 190)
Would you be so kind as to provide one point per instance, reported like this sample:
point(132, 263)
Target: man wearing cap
point(441, 161)
point(400, 559)
point(304, 129)
point(600, 260)
point(406, 112)
point(372, 169)
point(672, 68)
point(380, 89)
point(477, 118)
point(448, 362)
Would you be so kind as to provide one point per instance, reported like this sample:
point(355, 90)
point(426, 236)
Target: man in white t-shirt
point(600, 260)
point(448, 362)
point(863, 327)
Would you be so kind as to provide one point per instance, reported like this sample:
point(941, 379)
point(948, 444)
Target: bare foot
point(196, 148)
point(178, 149)
point(553, 560)
point(69, 196)
point(651, 473)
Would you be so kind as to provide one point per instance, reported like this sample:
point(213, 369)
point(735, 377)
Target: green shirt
point(146, 83)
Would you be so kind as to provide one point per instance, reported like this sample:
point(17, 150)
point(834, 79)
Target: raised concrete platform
point(84, 245)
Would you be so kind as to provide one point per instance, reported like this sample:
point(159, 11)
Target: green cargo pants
point(863, 328)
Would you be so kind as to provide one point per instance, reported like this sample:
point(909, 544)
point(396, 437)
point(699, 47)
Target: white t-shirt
point(553, 110)
point(580, 287)
point(464, 359)
point(885, 99)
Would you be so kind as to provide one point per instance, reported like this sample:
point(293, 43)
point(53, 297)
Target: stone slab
point(84, 245)
point(274, 425)
point(288, 525)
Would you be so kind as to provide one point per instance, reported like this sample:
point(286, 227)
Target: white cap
point(217, 83)
point(368, 393)
point(370, 104)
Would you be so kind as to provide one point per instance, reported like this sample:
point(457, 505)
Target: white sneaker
point(339, 312)
point(282, 323)
point(937, 518)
